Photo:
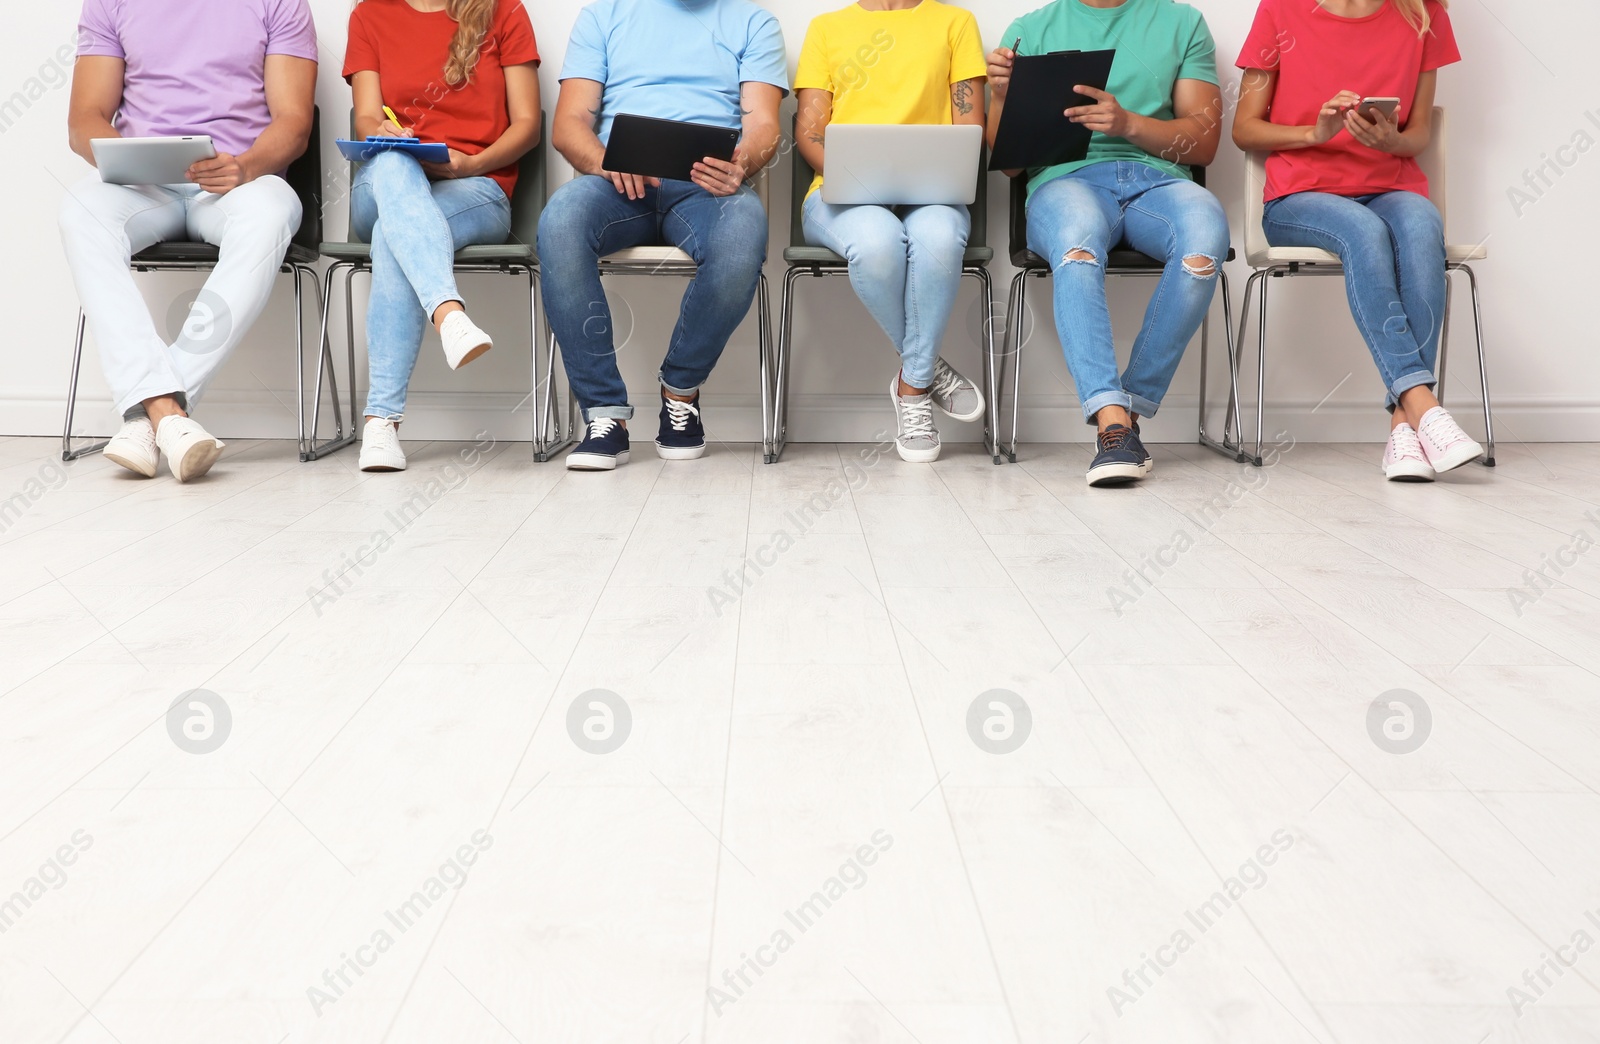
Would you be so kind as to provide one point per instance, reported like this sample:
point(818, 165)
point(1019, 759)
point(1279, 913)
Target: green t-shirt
point(1158, 43)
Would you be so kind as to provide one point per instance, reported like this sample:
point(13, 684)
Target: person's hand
point(461, 165)
point(1000, 61)
point(1380, 132)
point(391, 129)
point(630, 185)
point(718, 177)
point(1331, 118)
point(220, 174)
point(1106, 115)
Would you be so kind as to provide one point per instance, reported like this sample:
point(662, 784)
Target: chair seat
point(1454, 254)
point(665, 256)
point(812, 255)
point(484, 253)
point(184, 253)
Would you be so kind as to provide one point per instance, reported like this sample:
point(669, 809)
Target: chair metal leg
point(1231, 424)
point(313, 450)
point(67, 452)
point(1261, 355)
point(764, 360)
point(991, 415)
point(555, 438)
point(1483, 368)
point(1017, 308)
point(1444, 339)
point(780, 402)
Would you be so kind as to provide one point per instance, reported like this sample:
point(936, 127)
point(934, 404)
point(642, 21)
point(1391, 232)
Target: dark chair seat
point(485, 253)
point(185, 253)
point(815, 255)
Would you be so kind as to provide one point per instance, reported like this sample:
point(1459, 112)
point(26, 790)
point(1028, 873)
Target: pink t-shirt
point(196, 67)
point(1316, 55)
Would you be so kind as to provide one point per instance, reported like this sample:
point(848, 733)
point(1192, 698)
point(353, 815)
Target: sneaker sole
point(1115, 474)
point(1465, 453)
point(471, 354)
point(383, 467)
point(1408, 471)
point(595, 461)
point(918, 456)
point(680, 452)
point(197, 461)
point(138, 467)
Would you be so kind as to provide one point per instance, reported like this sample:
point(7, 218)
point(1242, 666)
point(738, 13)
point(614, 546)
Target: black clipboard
point(664, 148)
point(1032, 131)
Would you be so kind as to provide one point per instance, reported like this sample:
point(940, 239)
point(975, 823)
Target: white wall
point(1525, 88)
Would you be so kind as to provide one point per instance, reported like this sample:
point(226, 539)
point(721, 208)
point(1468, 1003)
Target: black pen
point(1014, 45)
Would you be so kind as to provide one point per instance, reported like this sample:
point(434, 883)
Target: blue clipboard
point(423, 151)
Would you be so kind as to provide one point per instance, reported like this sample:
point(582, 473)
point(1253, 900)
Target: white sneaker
point(1403, 459)
point(189, 448)
point(463, 341)
point(917, 441)
point(380, 446)
point(134, 447)
point(1444, 443)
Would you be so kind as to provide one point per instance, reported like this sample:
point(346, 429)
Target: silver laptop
point(894, 164)
point(149, 161)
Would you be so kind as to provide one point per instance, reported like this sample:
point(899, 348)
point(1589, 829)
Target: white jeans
point(103, 226)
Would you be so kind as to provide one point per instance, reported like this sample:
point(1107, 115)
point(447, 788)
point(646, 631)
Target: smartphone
point(1387, 106)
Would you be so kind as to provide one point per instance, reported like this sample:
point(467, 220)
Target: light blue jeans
point(1169, 218)
point(415, 227)
point(905, 265)
point(1392, 248)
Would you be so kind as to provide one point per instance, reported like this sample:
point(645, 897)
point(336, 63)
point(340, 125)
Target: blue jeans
point(588, 218)
point(415, 227)
point(1095, 208)
point(905, 265)
point(1392, 248)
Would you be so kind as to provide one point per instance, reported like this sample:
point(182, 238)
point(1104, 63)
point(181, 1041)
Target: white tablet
point(149, 161)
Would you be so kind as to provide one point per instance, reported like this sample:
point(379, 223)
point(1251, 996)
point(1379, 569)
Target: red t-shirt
point(1316, 55)
point(407, 48)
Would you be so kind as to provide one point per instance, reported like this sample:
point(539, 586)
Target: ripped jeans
point(1088, 212)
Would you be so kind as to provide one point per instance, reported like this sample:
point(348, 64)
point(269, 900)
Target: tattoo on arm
point(817, 138)
point(961, 98)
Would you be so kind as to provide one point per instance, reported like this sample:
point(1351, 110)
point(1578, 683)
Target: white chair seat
point(649, 255)
point(1455, 254)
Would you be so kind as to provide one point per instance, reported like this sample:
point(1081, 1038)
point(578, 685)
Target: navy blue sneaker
point(604, 446)
point(1121, 457)
point(682, 435)
point(1148, 463)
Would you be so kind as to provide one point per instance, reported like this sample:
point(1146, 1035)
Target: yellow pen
point(393, 118)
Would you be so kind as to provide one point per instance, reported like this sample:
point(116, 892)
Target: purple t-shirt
point(196, 68)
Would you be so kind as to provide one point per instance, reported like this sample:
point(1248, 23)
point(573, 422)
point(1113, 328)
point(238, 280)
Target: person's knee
point(1078, 256)
point(877, 259)
point(567, 224)
point(943, 234)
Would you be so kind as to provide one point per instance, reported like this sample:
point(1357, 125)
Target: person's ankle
point(161, 407)
point(907, 390)
point(1109, 415)
point(692, 397)
point(444, 311)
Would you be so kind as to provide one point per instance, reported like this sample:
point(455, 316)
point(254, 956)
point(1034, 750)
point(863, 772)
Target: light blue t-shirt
point(675, 59)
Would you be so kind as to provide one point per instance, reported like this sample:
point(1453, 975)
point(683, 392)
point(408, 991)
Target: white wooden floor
point(1202, 831)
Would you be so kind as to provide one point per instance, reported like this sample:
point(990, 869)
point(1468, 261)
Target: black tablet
point(1033, 132)
point(664, 148)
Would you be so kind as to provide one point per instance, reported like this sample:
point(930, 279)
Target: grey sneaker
point(917, 441)
point(954, 394)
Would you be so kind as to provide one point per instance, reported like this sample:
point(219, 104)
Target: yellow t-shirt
point(891, 66)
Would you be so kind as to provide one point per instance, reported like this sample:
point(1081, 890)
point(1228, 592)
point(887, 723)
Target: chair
point(305, 178)
point(517, 256)
point(1270, 262)
point(1121, 261)
point(806, 260)
point(662, 260)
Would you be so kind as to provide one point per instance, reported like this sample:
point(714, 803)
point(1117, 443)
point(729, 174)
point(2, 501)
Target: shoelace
point(1115, 438)
point(600, 427)
point(1440, 424)
point(678, 413)
point(916, 418)
point(1406, 443)
point(385, 434)
point(945, 381)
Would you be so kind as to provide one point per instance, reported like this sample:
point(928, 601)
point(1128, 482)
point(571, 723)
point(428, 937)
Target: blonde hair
point(1415, 12)
point(472, 18)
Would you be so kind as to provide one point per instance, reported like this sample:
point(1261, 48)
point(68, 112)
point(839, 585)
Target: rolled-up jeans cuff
point(1101, 401)
point(1406, 383)
point(1142, 406)
point(594, 413)
point(687, 393)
